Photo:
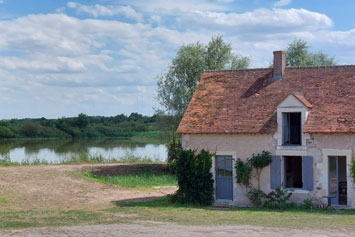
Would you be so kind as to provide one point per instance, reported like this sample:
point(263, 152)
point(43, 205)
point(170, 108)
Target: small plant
point(307, 204)
point(243, 170)
point(257, 197)
point(278, 199)
point(5, 160)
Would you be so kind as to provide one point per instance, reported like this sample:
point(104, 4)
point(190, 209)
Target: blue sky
point(61, 58)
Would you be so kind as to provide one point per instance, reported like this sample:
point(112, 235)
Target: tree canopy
point(298, 55)
point(176, 86)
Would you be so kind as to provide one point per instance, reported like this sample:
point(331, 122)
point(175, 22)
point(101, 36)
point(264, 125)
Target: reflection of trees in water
point(33, 146)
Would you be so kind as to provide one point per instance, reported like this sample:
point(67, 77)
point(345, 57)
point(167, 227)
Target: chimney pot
point(279, 64)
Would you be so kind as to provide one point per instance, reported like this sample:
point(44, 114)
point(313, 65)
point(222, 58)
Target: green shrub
point(194, 178)
point(307, 204)
point(278, 199)
point(256, 196)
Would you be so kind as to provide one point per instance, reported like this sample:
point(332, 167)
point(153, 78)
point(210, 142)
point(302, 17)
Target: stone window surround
point(278, 135)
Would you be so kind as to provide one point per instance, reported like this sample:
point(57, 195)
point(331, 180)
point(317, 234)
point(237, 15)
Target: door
point(337, 180)
point(224, 177)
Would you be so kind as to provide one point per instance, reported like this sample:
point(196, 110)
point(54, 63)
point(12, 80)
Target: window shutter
point(275, 172)
point(307, 172)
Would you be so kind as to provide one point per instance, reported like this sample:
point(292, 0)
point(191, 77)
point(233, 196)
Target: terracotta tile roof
point(245, 101)
point(303, 100)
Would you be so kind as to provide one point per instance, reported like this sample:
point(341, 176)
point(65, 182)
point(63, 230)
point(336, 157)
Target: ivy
point(243, 170)
point(259, 161)
point(352, 169)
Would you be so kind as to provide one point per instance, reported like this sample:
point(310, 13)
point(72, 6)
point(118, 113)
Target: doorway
point(224, 177)
point(338, 180)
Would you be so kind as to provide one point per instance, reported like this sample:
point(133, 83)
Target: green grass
point(165, 211)
point(26, 219)
point(142, 180)
point(3, 201)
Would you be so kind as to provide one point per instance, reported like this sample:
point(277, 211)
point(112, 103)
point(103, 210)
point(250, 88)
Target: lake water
point(53, 150)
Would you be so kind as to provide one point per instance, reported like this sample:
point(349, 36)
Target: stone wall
point(243, 146)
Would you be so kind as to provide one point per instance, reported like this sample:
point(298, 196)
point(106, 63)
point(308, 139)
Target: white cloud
point(102, 11)
point(259, 21)
point(2, 1)
point(164, 6)
point(55, 54)
point(100, 66)
point(282, 3)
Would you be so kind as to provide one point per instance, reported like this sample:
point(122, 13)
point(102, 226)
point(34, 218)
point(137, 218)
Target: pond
point(57, 151)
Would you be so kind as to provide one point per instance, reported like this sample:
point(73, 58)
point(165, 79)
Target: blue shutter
point(275, 172)
point(307, 172)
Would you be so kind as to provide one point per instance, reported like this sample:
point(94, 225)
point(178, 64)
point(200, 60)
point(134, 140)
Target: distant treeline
point(81, 126)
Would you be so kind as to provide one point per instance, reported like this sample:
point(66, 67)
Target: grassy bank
point(163, 210)
point(80, 158)
point(142, 180)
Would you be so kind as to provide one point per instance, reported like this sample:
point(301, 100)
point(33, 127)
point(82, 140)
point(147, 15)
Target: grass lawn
point(142, 180)
point(163, 210)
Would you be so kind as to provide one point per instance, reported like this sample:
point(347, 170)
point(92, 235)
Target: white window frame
point(291, 105)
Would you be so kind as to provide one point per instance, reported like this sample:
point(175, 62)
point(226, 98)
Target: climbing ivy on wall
point(244, 168)
point(352, 168)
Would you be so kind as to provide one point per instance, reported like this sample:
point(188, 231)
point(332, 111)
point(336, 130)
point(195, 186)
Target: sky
point(61, 58)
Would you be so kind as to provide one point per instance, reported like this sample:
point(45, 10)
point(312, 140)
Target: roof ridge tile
point(291, 68)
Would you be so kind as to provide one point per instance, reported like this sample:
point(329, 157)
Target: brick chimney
point(279, 64)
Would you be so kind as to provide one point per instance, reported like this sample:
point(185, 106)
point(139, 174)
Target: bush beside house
point(194, 177)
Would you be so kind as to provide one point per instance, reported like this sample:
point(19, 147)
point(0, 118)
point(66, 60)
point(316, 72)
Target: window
point(297, 172)
point(291, 134)
point(293, 172)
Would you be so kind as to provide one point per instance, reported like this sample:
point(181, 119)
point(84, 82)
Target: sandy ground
point(166, 229)
point(55, 187)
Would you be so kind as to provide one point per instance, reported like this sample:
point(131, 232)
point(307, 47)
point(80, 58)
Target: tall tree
point(298, 55)
point(176, 86)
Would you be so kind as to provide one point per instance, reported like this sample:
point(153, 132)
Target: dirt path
point(167, 229)
point(55, 187)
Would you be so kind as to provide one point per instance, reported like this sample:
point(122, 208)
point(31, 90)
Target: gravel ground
point(150, 228)
point(54, 187)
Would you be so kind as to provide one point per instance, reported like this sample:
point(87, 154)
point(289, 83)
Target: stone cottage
point(304, 116)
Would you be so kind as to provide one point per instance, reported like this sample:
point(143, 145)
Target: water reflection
point(53, 150)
